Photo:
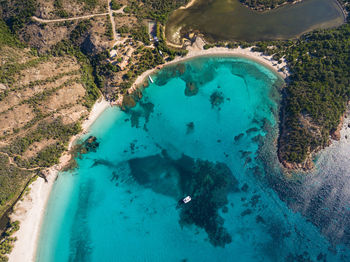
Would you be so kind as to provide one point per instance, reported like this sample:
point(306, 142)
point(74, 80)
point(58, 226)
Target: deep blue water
point(206, 128)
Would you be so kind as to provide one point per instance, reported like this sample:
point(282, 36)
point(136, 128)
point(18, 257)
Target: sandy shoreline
point(198, 51)
point(31, 209)
point(190, 3)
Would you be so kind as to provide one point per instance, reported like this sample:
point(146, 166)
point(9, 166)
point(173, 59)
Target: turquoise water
point(205, 128)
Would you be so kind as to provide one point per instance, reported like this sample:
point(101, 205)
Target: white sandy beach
point(190, 3)
point(31, 209)
point(197, 50)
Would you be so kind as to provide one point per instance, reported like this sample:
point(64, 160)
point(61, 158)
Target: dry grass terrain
point(51, 9)
point(41, 106)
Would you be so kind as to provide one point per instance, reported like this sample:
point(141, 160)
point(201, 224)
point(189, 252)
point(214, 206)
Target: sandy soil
point(31, 209)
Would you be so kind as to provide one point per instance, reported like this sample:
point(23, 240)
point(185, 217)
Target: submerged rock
point(208, 184)
point(216, 99)
point(238, 137)
point(91, 144)
point(191, 89)
point(252, 130)
point(180, 68)
point(190, 127)
point(128, 102)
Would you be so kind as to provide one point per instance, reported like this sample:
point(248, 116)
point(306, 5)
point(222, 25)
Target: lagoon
point(227, 20)
point(206, 128)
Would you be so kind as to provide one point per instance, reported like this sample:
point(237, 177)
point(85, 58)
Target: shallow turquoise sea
point(205, 128)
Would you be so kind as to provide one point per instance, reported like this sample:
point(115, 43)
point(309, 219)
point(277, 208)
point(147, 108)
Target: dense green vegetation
point(264, 4)
point(154, 9)
point(6, 244)
point(319, 88)
point(115, 5)
point(6, 38)
point(18, 12)
point(10, 178)
point(59, 9)
point(141, 34)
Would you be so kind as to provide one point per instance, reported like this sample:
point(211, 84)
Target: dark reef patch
point(207, 183)
point(142, 110)
point(191, 89)
point(252, 130)
point(91, 144)
point(246, 212)
point(190, 127)
point(103, 162)
point(135, 118)
point(157, 173)
point(216, 99)
point(238, 137)
point(148, 109)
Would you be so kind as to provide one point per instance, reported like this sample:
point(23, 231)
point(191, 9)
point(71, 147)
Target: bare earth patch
point(15, 118)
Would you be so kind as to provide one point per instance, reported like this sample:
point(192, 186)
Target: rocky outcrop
point(336, 134)
point(43, 37)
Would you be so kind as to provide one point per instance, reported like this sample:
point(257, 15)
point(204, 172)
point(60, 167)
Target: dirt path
point(11, 162)
point(110, 12)
point(66, 19)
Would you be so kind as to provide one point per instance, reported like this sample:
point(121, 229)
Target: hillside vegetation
point(262, 5)
point(317, 93)
point(43, 100)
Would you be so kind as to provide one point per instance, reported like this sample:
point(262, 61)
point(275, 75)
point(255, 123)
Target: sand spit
point(31, 209)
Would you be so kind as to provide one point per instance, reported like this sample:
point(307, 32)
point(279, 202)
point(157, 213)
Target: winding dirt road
point(40, 20)
point(110, 13)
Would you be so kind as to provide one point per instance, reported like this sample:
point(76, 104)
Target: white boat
point(150, 79)
point(186, 199)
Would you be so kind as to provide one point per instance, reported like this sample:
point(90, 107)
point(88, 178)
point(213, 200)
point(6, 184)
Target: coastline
point(190, 3)
point(30, 210)
point(197, 51)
